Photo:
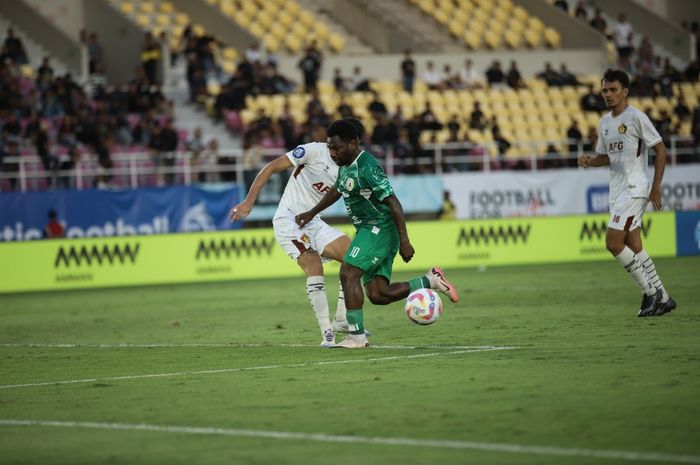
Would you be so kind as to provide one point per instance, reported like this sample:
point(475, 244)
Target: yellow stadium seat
point(512, 39)
point(127, 8)
point(292, 8)
point(266, 20)
point(146, 8)
point(456, 28)
point(322, 30)
point(249, 7)
point(162, 20)
point(493, 39)
point(535, 24)
point(441, 16)
point(307, 18)
point(520, 13)
point(293, 43)
point(143, 21)
point(182, 19)
point(337, 42)
point(166, 7)
point(229, 67)
point(552, 38)
point(532, 38)
point(272, 44)
point(257, 30)
point(198, 30)
point(472, 39)
point(214, 88)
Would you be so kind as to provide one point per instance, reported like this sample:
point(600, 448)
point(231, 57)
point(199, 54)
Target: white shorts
point(316, 235)
point(626, 212)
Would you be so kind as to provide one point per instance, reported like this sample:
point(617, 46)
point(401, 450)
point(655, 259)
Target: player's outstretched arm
point(242, 210)
point(659, 168)
point(587, 161)
point(405, 248)
point(329, 199)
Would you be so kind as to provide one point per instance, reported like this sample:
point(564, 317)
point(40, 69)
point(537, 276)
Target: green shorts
point(373, 251)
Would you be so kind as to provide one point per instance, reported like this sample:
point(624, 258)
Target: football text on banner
point(559, 192)
point(254, 254)
point(98, 213)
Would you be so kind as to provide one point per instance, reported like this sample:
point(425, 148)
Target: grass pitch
point(231, 373)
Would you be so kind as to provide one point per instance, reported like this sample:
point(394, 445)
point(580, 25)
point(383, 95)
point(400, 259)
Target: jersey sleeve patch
point(298, 152)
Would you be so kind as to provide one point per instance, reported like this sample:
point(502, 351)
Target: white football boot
point(353, 341)
point(328, 338)
point(342, 326)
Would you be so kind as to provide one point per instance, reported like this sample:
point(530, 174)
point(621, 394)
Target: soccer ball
point(423, 306)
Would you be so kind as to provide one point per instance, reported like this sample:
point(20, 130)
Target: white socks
point(316, 291)
point(652, 275)
point(634, 267)
point(341, 310)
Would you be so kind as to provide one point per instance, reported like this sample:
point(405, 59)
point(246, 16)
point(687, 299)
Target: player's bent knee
point(615, 247)
point(310, 262)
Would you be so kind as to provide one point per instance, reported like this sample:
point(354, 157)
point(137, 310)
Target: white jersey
point(314, 174)
point(626, 139)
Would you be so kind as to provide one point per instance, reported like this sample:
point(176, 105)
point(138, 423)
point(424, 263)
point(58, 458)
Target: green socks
point(420, 282)
point(356, 321)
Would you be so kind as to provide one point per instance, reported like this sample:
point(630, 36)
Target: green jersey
point(363, 185)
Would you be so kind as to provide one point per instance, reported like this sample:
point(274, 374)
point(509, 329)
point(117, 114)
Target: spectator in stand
point(453, 127)
point(339, 82)
point(592, 101)
point(310, 66)
point(566, 78)
point(692, 72)
point(575, 138)
point(358, 82)
point(580, 13)
point(514, 78)
point(95, 53)
point(344, 109)
point(563, 4)
point(681, 110)
point(622, 35)
point(53, 229)
point(254, 54)
point(552, 158)
point(589, 142)
point(196, 146)
point(502, 144)
point(287, 126)
point(450, 80)
point(477, 119)
point(428, 120)
point(550, 76)
point(14, 48)
point(646, 53)
point(494, 75)
point(150, 56)
point(408, 71)
point(376, 107)
point(432, 77)
point(469, 78)
point(45, 71)
point(252, 158)
point(598, 22)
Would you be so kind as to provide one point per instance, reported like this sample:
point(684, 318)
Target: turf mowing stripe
point(320, 437)
point(263, 367)
point(216, 345)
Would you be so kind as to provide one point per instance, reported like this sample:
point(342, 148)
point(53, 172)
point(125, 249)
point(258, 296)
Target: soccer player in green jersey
point(380, 228)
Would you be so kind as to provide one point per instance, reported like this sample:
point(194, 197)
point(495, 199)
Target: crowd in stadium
point(59, 120)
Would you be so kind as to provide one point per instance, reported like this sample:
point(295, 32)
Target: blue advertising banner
point(688, 233)
point(96, 213)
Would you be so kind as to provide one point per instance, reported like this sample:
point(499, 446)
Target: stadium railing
point(143, 169)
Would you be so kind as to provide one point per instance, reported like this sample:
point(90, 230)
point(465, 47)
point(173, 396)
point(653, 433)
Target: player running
point(624, 137)
point(380, 232)
point(314, 174)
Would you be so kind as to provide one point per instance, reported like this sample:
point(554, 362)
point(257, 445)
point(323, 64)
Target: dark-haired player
point(314, 174)
point(380, 228)
point(624, 137)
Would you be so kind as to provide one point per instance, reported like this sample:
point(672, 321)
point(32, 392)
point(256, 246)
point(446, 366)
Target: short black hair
point(359, 127)
point(617, 75)
point(52, 214)
point(344, 129)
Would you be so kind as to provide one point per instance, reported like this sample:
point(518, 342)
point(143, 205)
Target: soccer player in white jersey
point(313, 175)
point(624, 137)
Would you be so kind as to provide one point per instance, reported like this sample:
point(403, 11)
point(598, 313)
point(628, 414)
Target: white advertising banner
point(557, 192)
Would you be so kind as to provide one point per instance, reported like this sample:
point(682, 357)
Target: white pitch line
point(216, 345)
point(263, 367)
point(374, 440)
